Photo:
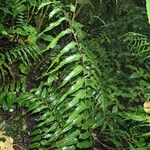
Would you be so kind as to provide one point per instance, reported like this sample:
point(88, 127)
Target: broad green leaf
point(88, 123)
point(10, 99)
point(47, 136)
point(78, 28)
point(34, 145)
point(135, 75)
point(23, 68)
point(44, 93)
point(146, 134)
point(6, 88)
point(32, 39)
point(78, 120)
point(5, 106)
point(2, 97)
point(67, 128)
point(67, 148)
point(44, 4)
point(52, 25)
point(30, 29)
point(35, 104)
point(85, 144)
point(37, 138)
point(79, 95)
point(72, 8)
point(55, 11)
point(68, 140)
point(45, 116)
point(46, 37)
point(66, 49)
point(60, 35)
point(138, 117)
point(67, 60)
point(85, 135)
point(24, 99)
point(8, 57)
point(39, 109)
point(23, 83)
point(132, 67)
point(46, 121)
point(76, 112)
point(71, 90)
point(51, 79)
point(55, 135)
point(20, 31)
point(148, 9)
point(77, 70)
point(18, 9)
point(32, 2)
point(53, 127)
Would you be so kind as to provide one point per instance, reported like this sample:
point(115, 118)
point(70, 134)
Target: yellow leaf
point(7, 144)
point(147, 106)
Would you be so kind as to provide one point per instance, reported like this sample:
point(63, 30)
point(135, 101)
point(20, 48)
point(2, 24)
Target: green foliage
point(9, 93)
point(68, 85)
point(124, 79)
point(148, 9)
point(86, 81)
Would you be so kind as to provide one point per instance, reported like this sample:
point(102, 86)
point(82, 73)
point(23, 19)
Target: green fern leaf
point(148, 9)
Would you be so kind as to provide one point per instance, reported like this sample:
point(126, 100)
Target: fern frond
point(66, 100)
point(139, 44)
point(4, 68)
point(66, 110)
point(24, 55)
point(10, 91)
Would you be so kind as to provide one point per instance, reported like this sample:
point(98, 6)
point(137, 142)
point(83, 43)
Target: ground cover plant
point(75, 74)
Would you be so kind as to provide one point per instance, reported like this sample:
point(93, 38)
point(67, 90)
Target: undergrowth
point(86, 82)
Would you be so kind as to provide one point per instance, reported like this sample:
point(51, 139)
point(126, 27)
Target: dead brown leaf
point(7, 144)
point(147, 106)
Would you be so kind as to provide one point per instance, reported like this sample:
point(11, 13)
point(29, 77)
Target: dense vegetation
point(80, 68)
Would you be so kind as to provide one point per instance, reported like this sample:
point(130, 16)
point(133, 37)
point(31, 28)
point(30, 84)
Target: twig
point(19, 146)
point(43, 18)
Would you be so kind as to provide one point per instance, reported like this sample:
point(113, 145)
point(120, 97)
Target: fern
point(4, 68)
point(73, 96)
point(25, 54)
point(139, 45)
point(66, 101)
point(65, 113)
point(9, 93)
point(65, 107)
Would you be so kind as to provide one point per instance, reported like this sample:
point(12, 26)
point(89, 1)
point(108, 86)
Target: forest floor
point(18, 125)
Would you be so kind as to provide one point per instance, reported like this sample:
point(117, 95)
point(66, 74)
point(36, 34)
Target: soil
point(18, 124)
